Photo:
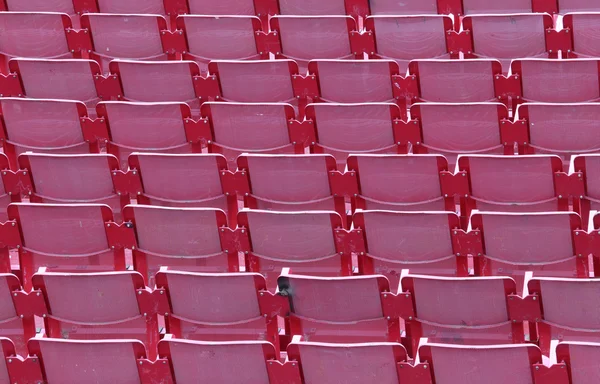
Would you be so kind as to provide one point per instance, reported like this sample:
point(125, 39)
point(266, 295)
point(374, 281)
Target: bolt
point(141, 363)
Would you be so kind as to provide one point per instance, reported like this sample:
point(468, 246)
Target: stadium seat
point(405, 38)
point(156, 7)
point(566, 6)
point(255, 128)
point(490, 7)
point(582, 27)
point(514, 243)
point(588, 166)
point(149, 127)
point(5, 191)
point(342, 129)
point(221, 306)
point(392, 7)
point(579, 358)
point(68, 79)
point(62, 6)
point(197, 240)
point(353, 8)
point(72, 179)
point(108, 305)
point(529, 183)
point(226, 7)
point(424, 242)
point(344, 309)
point(572, 81)
point(405, 182)
point(310, 242)
point(67, 238)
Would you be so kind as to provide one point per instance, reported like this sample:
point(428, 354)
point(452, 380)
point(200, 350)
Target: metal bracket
point(506, 87)
point(17, 182)
point(85, 6)
point(153, 302)
point(343, 184)
point(349, 241)
point(514, 132)
point(207, 87)
point(273, 304)
point(197, 131)
point(128, 182)
point(27, 370)
point(459, 42)
point(414, 374)
point(267, 42)
point(555, 374)
point(120, 236)
point(397, 306)
point(362, 42)
point(586, 243)
point(94, 130)
point(467, 243)
point(405, 87)
point(79, 40)
point(407, 132)
point(524, 308)
point(305, 86)
point(29, 304)
point(10, 85)
point(173, 42)
point(158, 371)
point(302, 132)
point(108, 87)
point(454, 184)
point(234, 240)
point(10, 236)
point(234, 182)
point(283, 373)
point(559, 40)
point(567, 185)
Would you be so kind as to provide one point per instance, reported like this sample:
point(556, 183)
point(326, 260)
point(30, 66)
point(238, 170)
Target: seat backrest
point(474, 7)
point(155, 7)
point(35, 35)
point(312, 7)
point(225, 7)
point(63, 6)
point(584, 29)
point(590, 166)
point(392, 7)
point(565, 6)
point(573, 80)
point(5, 198)
point(368, 363)
point(13, 327)
point(355, 81)
point(400, 182)
point(455, 81)
point(580, 358)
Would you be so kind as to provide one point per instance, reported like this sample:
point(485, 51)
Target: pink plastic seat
point(512, 183)
point(580, 358)
point(405, 38)
point(62, 6)
point(68, 237)
point(5, 198)
point(339, 309)
point(304, 241)
point(146, 127)
point(220, 306)
point(493, 364)
point(401, 182)
point(394, 7)
point(514, 243)
point(194, 240)
point(584, 30)
point(455, 81)
point(99, 361)
point(262, 81)
point(7, 350)
point(73, 179)
point(590, 166)
point(566, 6)
point(43, 126)
point(14, 327)
point(419, 241)
point(155, 7)
point(558, 81)
point(225, 7)
point(92, 306)
point(452, 129)
point(368, 363)
point(342, 129)
point(487, 7)
point(317, 7)
point(252, 128)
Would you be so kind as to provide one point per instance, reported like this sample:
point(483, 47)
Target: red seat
point(565, 6)
point(589, 165)
point(583, 27)
point(5, 192)
point(391, 7)
point(62, 6)
point(580, 358)
point(225, 7)
point(487, 7)
point(156, 7)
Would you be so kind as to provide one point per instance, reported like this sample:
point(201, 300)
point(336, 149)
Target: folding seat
point(78, 306)
point(452, 129)
point(572, 81)
point(305, 241)
point(349, 309)
point(426, 7)
point(226, 7)
point(353, 8)
point(98, 361)
point(355, 81)
point(221, 306)
point(293, 183)
point(155, 7)
point(368, 363)
point(584, 36)
point(148, 127)
point(490, 7)
point(405, 38)
point(509, 36)
point(54, 126)
point(255, 128)
point(588, 166)
point(566, 6)
point(544, 243)
point(67, 237)
point(580, 359)
point(72, 179)
point(563, 129)
point(226, 362)
point(190, 239)
point(342, 129)
point(404, 182)
point(69, 79)
point(425, 242)
point(62, 6)
point(532, 183)
point(5, 192)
